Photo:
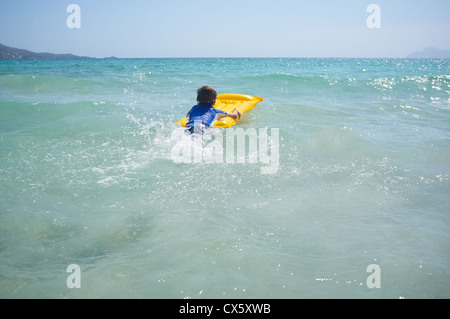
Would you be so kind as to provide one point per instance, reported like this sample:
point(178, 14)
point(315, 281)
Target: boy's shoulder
point(219, 110)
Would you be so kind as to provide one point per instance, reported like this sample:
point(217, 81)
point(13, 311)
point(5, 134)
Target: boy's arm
point(235, 115)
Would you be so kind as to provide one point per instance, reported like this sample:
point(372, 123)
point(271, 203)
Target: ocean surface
point(94, 205)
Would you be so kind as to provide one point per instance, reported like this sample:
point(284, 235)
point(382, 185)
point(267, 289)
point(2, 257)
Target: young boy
point(204, 114)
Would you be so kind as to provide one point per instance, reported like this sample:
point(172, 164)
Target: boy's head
point(206, 95)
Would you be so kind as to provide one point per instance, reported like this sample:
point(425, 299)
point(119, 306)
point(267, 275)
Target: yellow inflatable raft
point(228, 102)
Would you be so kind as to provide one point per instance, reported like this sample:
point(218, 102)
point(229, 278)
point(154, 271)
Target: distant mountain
point(9, 53)
point(430, 53)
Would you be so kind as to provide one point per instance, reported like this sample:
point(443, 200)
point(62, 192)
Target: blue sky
point(226, 28)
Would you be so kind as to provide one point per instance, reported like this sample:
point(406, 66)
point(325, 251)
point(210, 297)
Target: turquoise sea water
point(87, 178)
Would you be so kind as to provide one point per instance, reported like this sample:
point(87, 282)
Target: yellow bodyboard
point(228, 102)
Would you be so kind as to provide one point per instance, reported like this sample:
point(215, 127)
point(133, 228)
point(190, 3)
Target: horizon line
point(219, 57)
point(78, 57)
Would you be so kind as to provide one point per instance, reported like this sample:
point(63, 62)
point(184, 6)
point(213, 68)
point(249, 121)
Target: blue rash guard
point(204, 114)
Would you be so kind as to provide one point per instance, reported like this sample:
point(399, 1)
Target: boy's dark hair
point(206, 95)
